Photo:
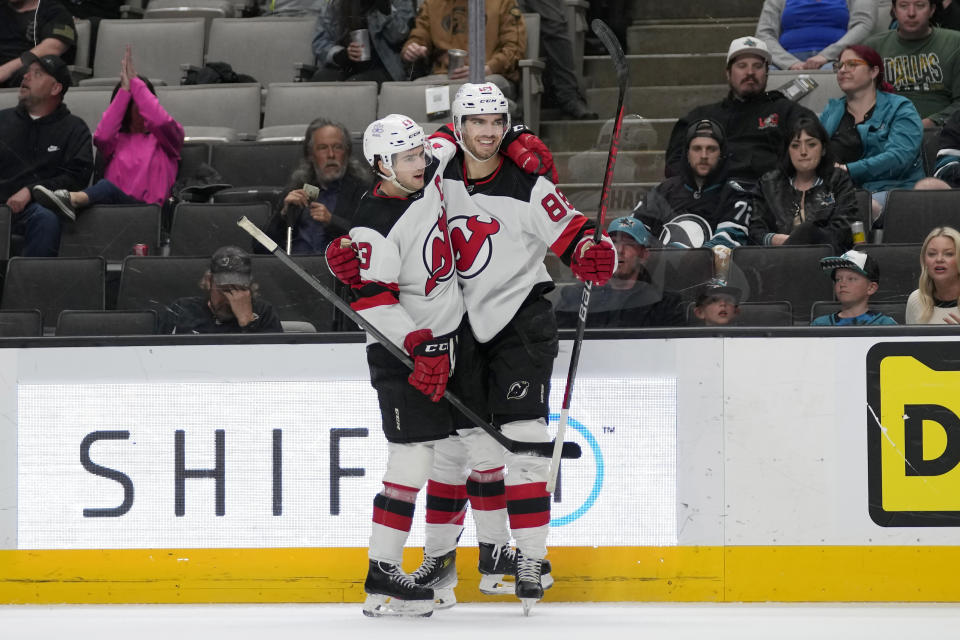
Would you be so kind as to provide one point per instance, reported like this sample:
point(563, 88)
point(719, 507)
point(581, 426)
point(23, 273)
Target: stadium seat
point(106, 323)
point(6, 219)
point(409, 99)
point(9, 98)
point(899, 270)
point(206, 9)
point(214, 112)
point(54, 284)
point(26, 323)
point(155, 282)
point(199, 229)
point(88, 103)
point(817, 99)
point(929, 149)
point(353, 104)
point(531, 70)
point(247, 164)
point(80, 68)
point(755, 314)
point(791, 273)
point(291, 297)
point(683, 271)
point(911, 215)
point(160, 47)
point(111, 231)
point(865, 211)
point(280, 44)
point(896, 310)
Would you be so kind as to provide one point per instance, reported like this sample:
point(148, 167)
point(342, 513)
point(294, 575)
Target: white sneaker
point(57, 201)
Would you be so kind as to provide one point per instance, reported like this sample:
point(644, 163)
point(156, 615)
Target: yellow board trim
point(678, 574)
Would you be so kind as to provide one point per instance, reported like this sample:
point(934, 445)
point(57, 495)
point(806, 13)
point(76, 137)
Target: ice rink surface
point(581, 621)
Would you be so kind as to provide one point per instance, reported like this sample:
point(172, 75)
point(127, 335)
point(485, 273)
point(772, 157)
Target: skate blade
point(378, 606)
point(497, 585)
point(527, 605)
point(443, 598)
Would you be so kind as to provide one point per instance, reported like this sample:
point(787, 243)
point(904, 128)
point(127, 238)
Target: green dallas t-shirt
point(926, 71)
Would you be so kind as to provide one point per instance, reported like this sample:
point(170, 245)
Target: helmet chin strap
point(392, 179)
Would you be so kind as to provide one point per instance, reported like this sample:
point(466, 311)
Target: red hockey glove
point(594, 262)
point(530, 154)
point(431, 361)
point(342, 261)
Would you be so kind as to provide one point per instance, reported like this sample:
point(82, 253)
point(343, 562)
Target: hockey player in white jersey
point(408, 288)
point(502, 220)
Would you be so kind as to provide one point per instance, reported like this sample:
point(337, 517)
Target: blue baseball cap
point(634, 228)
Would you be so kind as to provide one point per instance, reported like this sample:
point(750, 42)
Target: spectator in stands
point(40, 28)
point(442, 25)
point(948, 151)
point(723, 206)
point(717, 305)
point(947, 15)
point(141, 144)
point(807, 200)
point(41, 142)
point(752, 118)
point(560, 81)
point(340, 58)
point(294, 8)
point(856, 277)
point(630, 298)
point(875, 136)
point(230, 305)
point(922, 62)
point(810, 34)
point(935, 299)
point(326, 165)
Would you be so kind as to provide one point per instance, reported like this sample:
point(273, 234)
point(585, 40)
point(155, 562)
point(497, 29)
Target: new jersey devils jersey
point(501, 228)
point(407, 271)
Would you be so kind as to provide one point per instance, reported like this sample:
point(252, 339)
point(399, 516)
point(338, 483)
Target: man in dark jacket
point(752, 118)
point(699, 207)
point(318, 216)
point(41, 28)
point(41, 143)
point(631, 298)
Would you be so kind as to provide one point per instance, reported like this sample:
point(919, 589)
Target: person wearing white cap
point(856, 277)
point(752, 117)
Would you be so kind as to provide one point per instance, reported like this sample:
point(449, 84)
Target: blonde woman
point(935, 299)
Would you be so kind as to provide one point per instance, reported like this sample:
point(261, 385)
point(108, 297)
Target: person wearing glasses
point(809, 34)
point(875, 135)
point(922, 61)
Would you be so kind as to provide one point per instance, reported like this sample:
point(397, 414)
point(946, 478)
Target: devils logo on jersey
point(437, 254)
point(472, 243)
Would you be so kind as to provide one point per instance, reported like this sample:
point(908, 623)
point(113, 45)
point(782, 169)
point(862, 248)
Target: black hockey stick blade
point(612, 45)
point(542, 449)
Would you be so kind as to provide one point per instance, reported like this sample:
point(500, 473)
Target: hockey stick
point(542, 449)
point(610, 42)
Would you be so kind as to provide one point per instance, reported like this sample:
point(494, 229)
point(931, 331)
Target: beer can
point(856, 228)
point(458, 58)
point(140, 250)
point(362, 37)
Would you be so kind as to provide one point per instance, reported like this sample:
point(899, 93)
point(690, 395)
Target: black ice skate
point(440, 574)
point(529, 589)
point(391, 592)
point(498, 566)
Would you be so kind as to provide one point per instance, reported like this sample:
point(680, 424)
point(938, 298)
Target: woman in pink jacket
point(141, 143)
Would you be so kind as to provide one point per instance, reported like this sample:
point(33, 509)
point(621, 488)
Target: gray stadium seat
point(899, 270)
point(817, 99)
point(280, 43)
point(354, 104)
point(9, 98)
point(247, 164)
point(206, 9)
point(910, 215)
point(791, 273)
point(155, 282)
point(408, 98)
point(26, 323)
point(291, 297)
point(54, 284)
point(199, 229)
point(160, 47)
point(214, 112)
point(88, 103)
point(106, 323)
point(111, 231)
point(81, 61)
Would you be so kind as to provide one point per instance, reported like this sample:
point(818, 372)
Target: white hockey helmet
point(478, 99)
point(389, 135)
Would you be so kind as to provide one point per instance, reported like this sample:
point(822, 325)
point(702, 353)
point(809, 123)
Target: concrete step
point(582, 135)
point(589, 166)
point(623, 197)
point(662, 69)
point(686, 38)
point(656, 102)
point(694, 9)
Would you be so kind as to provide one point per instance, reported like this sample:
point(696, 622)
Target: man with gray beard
point(318, 216)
